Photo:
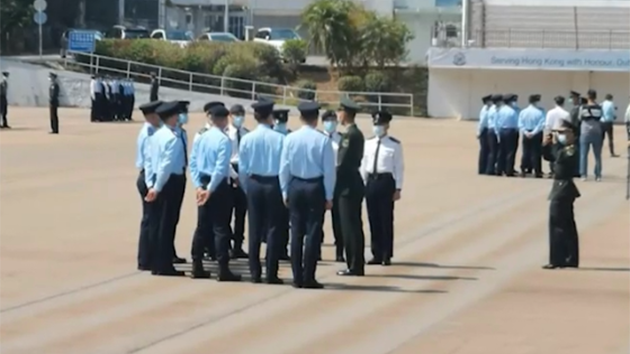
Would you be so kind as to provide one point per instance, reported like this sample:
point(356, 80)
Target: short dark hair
point(591, 94)
point(609, 96)
point(310, 116)
point(258, 116)
point(559, 100)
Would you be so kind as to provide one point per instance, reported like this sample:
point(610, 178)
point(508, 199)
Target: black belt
point(310, 180)
point(260, 178)
point(377, 176)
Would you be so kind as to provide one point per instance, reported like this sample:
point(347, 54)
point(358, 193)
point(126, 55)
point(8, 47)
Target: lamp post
point(226, 16)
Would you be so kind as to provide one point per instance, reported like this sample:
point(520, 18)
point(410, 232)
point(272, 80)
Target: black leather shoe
point(351, 273)
point(256, 280)
point(550, 266)
point(374, 261)
point(387, 262)
point(144, 268)
point(209, 258)
point(238, 253)
point(179, 260)
point(296, 285)
point(274, 281)
point(169, 273)
point(227, 276)
point(198, 272)
point(313, 284)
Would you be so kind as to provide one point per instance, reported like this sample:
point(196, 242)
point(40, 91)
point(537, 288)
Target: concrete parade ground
point(466, 277)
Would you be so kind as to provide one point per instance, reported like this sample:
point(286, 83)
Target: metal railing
point(397, 103)
point(540, 38)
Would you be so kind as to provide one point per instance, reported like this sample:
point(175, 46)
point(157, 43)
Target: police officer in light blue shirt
point(493, 137)
point(280, 119)
point(259, 165)
point(531, 122)
point(482, 135)
point(148, 129)
point(307, 181)
point(167, 167)
point(214, 195)
point(506, 127)
point(609, 115)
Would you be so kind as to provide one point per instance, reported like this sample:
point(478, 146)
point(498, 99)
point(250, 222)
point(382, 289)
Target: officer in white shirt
point(235, 131)
point(556, 115)
point(329, 121)
point(382, 170)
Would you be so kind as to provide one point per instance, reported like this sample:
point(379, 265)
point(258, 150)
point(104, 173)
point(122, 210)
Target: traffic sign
point(40, 5)
point(81, 41)
point(40, 18)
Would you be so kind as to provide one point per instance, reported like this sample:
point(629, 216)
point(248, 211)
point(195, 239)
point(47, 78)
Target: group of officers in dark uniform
point(282, 180)
point(554, 137)
point(113, 98)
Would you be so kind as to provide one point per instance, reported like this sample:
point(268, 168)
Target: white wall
point(421, 25)
point(457, 92)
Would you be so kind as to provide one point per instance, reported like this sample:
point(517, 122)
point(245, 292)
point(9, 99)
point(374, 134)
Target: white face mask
point(562, 138)
point(378, 130)
point(237, 121)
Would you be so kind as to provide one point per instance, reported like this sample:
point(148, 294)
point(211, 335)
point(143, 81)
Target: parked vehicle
point(180, 37)
point(122, 32)
point(218, 37)
point(275, 36)
point(64, 39)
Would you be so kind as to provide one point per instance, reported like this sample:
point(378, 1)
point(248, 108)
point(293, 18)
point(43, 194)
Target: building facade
point(424, 17)
point(531, 47)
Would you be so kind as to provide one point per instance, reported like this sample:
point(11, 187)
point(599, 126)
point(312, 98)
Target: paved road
point(466, 278)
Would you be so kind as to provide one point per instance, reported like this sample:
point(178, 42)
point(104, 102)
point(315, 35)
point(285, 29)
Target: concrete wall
point(28, 86)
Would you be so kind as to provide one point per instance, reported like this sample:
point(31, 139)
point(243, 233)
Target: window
point(283, 34)
point(158, 35)
point(451, 31)
point(223, 37)
point(189, 19)
point(262, 34)
point(203, 37)
point(178, 36)
point(136, 34)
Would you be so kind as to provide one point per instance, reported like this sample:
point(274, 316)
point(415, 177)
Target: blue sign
point(40, 18)
point(81, 41)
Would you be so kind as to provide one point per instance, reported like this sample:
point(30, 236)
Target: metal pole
point(226, 14)
point(464, 30)
point(40, 41)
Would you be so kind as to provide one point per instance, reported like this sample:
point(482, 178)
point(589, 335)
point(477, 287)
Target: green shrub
point(351, 84)
point(294, 51)
point(307, 90)
point(244, 60)
point(377, 82)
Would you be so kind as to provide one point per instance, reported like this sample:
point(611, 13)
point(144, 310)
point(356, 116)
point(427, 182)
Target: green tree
point(330, 28)
point(384, 41)
point(15, 14)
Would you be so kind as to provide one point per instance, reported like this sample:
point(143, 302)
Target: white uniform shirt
point(115, 87)
point(95, 87)
point(389, 159)
point(232, 133)
point(627, 119)
point(555, 117)
point(335, 138)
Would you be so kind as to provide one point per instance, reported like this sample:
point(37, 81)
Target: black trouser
point(265, 208)
point(484, 151)
point(144, 241)
point(214, 220)
point(181, 191)
point(507, 151)
point(493, 152)
point(379, 198)
point(336, 227)
point(531, 160)
point(163, 221)
point(238, 212)
point(4, 111)
point(563, 235)
point(350, 203)
point(99, 106)
point(306, 206)
point(131, 104)
point(607, 129)
point(54, 119)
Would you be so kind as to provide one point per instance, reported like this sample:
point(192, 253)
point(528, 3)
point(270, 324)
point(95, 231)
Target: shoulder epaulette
point(372, 137)
point(570, 150)
point(321, 132)
point(203, 130)
point(394, 140)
